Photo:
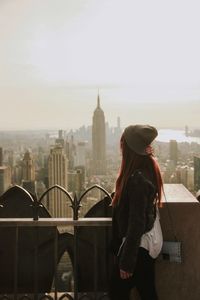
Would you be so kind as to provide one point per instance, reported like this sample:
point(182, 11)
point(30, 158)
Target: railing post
point(16, 263)
point(35, 210)
point(55, 263)
point(36, 265)
point(75, 207)
point(95, 267)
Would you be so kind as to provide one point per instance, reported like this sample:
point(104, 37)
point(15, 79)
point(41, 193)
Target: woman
point(136, 232)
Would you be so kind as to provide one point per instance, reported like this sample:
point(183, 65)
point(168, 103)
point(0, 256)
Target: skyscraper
point(5, 175)
point(60, 140)
point(28, 172)
point(196, 173)
point(57, 173)
point(28, 168)
point(1, 157)
point(5, 178)
point(99, 141)
point(118, 123)
point(80, 158)
point(173, 151)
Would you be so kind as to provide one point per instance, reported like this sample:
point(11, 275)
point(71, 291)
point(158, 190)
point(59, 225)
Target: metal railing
point(36, 223)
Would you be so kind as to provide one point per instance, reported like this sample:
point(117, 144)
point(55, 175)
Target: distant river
point(165, 135)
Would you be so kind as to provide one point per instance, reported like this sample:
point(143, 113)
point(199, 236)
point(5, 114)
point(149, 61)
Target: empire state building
point(99, 141)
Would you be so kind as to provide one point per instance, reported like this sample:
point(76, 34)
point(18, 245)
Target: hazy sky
point(143, 55)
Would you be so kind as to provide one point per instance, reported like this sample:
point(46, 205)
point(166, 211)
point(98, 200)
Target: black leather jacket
point(132, 217)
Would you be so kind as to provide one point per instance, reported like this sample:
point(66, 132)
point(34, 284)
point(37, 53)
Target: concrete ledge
point(179, 281)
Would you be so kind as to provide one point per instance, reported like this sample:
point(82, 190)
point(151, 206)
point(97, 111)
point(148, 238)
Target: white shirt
point(153, 239)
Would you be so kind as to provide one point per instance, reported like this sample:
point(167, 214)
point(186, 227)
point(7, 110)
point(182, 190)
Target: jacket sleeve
point(115, 240)
point(137, 200)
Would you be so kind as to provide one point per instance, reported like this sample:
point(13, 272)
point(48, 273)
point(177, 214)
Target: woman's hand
point(125, 275)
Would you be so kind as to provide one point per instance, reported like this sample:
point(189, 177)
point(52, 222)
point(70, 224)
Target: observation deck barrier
point(88, 248)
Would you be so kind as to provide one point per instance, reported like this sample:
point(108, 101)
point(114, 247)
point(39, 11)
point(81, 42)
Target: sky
point(142, 56)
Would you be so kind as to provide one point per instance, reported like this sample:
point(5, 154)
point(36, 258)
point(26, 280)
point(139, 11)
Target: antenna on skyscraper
point(98, 100)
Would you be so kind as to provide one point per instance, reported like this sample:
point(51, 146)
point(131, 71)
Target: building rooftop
point(3, 167)
point(178, 193)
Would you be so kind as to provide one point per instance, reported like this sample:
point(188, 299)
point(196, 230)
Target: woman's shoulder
point(141, 177)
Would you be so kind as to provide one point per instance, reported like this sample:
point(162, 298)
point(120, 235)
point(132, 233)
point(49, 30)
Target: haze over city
point(142, 56)
point(73, 75)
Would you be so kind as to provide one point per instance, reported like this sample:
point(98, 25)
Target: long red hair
point(131, 162)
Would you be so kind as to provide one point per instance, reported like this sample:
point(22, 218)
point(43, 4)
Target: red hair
point(131, 162)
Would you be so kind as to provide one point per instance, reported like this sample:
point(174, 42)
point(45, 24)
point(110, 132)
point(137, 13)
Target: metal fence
point(35, 225)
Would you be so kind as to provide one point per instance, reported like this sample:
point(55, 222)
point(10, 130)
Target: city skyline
point(66, 114)
point(143, 57)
